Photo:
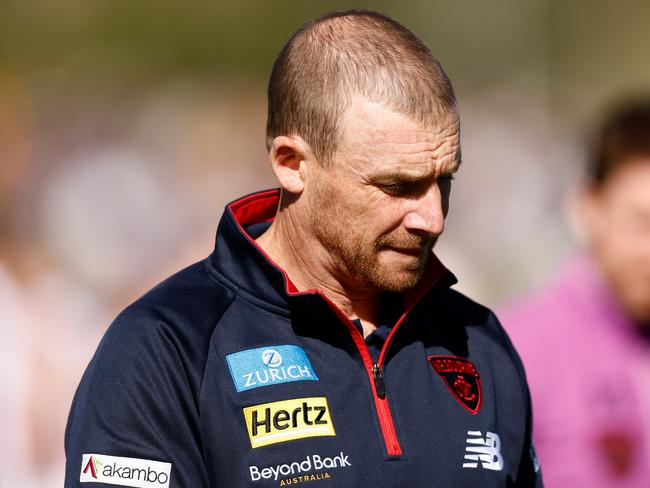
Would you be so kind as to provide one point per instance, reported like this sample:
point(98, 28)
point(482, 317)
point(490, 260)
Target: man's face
point(380, 206)
point(618, 225)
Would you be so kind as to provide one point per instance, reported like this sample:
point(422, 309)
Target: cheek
point(370, 208)
point(359, 211)
point(340, 211)
point(385, 215)
point(625, 258)
point(610, 239)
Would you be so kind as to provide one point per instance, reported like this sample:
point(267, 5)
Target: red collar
point(262, 207)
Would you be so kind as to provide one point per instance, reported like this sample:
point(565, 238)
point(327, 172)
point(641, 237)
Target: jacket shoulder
point(168, 329)
point(461, 307)
point(144, 380)
point(187, 301)
point(466, 322)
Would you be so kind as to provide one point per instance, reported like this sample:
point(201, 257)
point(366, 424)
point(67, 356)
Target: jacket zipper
point(376, 378)
point(378, 386)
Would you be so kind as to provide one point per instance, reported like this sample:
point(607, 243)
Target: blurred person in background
point(585, 338)
point(14, 362)
point(48, 321)
point(278, 360)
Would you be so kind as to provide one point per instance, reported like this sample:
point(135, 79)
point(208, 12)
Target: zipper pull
point(378, 376)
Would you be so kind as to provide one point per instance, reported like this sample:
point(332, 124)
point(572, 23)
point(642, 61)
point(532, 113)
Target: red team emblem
point(462, 379)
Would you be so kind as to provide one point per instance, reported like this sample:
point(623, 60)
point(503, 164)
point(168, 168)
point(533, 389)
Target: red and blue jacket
point(226, 376)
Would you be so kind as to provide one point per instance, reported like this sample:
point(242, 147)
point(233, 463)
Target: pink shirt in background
point(588, 368)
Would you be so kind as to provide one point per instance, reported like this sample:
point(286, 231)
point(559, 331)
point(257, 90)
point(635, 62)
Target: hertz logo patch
point(270, 423)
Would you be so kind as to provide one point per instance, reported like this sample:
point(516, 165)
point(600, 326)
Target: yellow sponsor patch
point(270, 423)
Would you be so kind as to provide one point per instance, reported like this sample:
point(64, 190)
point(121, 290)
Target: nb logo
point(485, 451)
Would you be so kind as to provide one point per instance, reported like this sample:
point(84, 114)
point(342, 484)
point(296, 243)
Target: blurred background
point(126, 126)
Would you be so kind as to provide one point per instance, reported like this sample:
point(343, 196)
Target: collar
point(239, 259)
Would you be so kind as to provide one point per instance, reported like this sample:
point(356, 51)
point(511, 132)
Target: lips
point(413, 251)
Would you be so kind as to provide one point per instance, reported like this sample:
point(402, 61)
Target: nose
point(426, 214)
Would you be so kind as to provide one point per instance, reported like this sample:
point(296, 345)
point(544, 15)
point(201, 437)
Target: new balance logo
point(485, 451)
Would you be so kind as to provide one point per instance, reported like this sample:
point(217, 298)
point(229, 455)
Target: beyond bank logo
point(272, 365)
point(313, 467)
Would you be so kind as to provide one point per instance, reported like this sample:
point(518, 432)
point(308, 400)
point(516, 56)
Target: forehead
point(375, 138)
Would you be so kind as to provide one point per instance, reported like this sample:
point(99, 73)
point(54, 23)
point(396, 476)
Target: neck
point(309, 266)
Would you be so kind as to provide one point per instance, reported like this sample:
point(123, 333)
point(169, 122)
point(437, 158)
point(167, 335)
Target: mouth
point(409, 251)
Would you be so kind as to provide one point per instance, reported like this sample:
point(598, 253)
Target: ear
point(289, 155)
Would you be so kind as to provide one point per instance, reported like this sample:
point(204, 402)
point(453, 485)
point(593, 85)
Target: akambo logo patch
point(270, 423)
point(271, 365)
point(123, 471)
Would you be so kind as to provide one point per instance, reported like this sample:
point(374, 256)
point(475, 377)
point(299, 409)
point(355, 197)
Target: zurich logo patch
point(271, 365)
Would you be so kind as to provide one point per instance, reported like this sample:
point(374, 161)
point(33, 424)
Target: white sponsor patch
point(124, 471)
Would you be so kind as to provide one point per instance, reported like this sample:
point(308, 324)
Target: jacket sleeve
point(529, 473)
point(134, 420)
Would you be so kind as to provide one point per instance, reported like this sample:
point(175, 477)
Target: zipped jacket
point(225, 375)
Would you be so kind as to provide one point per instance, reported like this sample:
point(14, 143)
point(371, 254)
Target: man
point(585, 338)
point(320, 342)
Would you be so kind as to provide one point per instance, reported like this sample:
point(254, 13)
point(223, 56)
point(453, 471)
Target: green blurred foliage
point(579, 48)
point(110, 42)
point(106, 40)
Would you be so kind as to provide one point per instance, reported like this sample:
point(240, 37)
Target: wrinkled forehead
point(405, 136)
point(377, 136)
point(379, 114)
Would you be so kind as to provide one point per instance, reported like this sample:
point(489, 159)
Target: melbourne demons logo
point(462, 379)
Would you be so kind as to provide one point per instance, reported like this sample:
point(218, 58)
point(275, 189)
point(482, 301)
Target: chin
point(397, 281)
point(388, 272)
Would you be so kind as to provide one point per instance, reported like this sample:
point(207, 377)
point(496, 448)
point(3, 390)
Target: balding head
point(333, 58)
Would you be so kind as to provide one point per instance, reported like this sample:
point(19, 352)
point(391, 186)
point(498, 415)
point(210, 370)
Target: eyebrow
point(397, 177)
point(405, 176)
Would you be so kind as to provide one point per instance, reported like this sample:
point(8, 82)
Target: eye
point(397, 189)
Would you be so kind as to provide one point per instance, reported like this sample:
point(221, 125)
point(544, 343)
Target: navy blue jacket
point(226, 376)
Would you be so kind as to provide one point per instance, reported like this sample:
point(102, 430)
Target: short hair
point(624, 135)
point(356, 52)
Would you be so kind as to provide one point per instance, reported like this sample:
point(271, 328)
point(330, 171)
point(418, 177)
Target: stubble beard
point(360, 260)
